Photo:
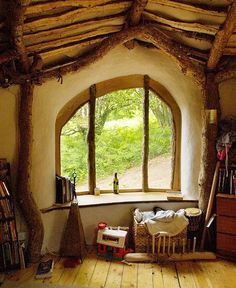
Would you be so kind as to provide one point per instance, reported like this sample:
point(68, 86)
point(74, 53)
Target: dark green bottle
point(116, 184)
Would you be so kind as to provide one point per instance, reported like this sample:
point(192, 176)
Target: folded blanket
point(167, 223)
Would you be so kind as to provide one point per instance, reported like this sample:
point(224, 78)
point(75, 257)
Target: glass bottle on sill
point(116, 184)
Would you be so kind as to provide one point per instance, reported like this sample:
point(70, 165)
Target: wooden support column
point(91, 140)
point(24, 196)
point(209, 136)
point(145, 133)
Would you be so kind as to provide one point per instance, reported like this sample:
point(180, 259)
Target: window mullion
point(91, 140)
point(145, 134)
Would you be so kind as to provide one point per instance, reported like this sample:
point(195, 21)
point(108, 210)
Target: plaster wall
point(8, 126)
point(50, 98)
point(227, 98)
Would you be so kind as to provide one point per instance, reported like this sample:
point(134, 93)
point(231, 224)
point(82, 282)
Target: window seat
point(122, 198)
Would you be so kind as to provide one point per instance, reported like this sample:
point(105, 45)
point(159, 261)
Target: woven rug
point(15, 284)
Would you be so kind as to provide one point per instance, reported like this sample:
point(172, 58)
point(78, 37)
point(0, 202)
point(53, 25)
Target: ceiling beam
point(134, 17)
point(49, 5)
point(222, 38)
point(159, 39)
point(15, 21)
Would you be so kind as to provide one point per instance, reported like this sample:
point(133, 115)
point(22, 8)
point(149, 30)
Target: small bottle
point(115, 184)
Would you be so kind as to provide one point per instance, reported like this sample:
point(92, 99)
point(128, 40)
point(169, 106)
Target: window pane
point(119, 138)
point(74, 148)
point(160, 143)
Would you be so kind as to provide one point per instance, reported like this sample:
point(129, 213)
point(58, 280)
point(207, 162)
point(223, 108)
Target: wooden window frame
point(108, 86)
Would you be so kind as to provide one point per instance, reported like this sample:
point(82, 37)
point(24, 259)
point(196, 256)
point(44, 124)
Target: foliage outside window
point(119, 142)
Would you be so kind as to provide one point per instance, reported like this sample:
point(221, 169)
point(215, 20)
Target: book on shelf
point(64, 189)
point(45, 269)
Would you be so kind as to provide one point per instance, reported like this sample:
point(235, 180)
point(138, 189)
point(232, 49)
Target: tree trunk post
point(209, 136)
point(24, 196)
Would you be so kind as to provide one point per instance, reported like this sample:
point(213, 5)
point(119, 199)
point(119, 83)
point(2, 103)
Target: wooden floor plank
point(200, 275)
point(129, 279)
point(97, 272)
point(145, 275)
point(157, 276)
point(228, 272)
point(99, 276)
point(217, 276)
point(86, 271)
point(170, 277)
point(185, 274)
point(114, 276)
point(23, 275)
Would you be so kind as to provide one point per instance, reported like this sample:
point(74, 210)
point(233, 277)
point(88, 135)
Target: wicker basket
point(143, 240)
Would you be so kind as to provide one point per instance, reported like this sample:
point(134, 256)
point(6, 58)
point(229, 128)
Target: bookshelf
point(226, 208)
point(9, 249)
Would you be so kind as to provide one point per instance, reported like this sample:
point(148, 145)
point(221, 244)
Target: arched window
point(136, 134)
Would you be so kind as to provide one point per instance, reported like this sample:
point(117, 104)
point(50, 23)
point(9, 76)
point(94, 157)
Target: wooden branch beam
point(229, 51)
point(71, 40)
point(226, 74)
point(159, 39)
point(71, 30)
point(91, 140)
point(107, 45)
point(186, 26)
point(47, 6)
point(134, 17)
point(177, 52)
point(222, 38)
point(187, 7)
point(79, 47)
point(24, 196)
point(136, 11)
point(145, 134)
point(209, 136)
point(15, 20)
point(77, 15)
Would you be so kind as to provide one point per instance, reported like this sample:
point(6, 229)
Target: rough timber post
point(24, 196)
point(209, 135)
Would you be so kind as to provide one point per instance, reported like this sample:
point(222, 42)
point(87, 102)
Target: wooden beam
point(54, 44)
point(136, 11)
point(145, 134)
point(187, 7)
point(72, 30)
point(90, 44)
point(91, 140)
point(177, 52)
point(49, 5)
point(147, 32)
point(76, 16)
point(134, 17)
point(209, 136)
point(231, 51)
point(24, 196)
point(226, 74)
point(222, 38)
point(186, 26)
point(15, 21)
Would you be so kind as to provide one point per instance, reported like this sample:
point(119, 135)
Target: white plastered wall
point(52, 96)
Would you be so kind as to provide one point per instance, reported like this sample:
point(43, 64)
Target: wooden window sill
point(112, 199)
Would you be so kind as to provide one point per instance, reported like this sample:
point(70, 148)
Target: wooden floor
point(97, 272)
